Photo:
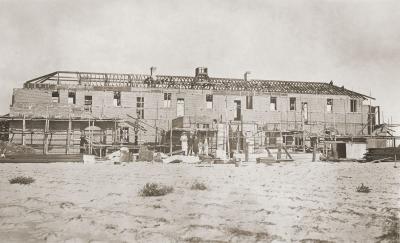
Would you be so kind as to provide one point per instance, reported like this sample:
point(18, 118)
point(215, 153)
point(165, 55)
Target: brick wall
point(38, 103)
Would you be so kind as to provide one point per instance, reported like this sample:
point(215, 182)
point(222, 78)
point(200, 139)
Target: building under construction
point(76, 112)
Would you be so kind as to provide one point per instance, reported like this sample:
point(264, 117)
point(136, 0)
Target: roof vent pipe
point(153, 72)
point(246, 75)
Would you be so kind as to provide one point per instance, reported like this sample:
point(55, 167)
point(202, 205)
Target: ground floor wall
point(69, 136)
point(72, 137)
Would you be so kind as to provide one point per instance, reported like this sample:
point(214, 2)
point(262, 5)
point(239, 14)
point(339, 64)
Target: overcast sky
point(354, 43)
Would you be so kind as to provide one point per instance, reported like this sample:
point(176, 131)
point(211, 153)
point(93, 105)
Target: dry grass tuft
point(392, 231)
point(364, 189)
point(198, 186)
point(155, 190)
point(23, 180)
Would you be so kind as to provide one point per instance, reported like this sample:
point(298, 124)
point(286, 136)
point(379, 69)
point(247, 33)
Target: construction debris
point(7, 148)
point(125, 156)
point(382, 154)
point(41, 158)
point(145, 154)
point(268, 159)
point(181, 159)
point(121, 155)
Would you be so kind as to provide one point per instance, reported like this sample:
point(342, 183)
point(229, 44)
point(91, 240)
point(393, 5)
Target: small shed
point(345, 150)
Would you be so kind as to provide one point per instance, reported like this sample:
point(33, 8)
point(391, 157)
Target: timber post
point(246, 152)
point(314, 154)
point(279, 155)
point(23, 129)
point(170, 140)
point(69, 135)
point(46, 136)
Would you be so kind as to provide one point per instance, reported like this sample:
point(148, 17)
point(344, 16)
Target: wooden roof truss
point(200, 82)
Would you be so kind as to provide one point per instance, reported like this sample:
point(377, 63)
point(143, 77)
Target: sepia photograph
point(199, 121)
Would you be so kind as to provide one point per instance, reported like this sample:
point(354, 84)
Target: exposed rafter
point(185, 82)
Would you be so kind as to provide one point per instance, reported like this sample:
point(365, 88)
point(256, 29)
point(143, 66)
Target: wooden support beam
point(279, 155)
point(268, 151)
point(46, 136)
point(69, 136)
point(314, 152)
point(23, 129)
point(287, 153)
point(170, 139)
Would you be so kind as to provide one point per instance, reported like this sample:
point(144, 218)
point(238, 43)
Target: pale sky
point(354, 43)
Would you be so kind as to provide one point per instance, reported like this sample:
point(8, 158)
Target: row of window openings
point(273, 103)
point(209, 101)
point(55, 98)
point(89, 101)
point(292, 104)
point(329, 105)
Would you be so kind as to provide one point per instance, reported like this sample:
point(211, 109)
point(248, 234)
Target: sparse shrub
point(155, 190)
point(24, 180)
point(364, 189)
point(198, 186)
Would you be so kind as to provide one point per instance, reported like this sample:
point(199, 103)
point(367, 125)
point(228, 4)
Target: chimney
point(202, 71)
point(246, 75)
point(153, 72)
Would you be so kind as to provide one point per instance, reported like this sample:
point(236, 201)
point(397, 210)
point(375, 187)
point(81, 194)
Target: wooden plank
point(23, 130)
point(46, 137)
point(287, 153)
point(268, 151)
point(39, 158)
point(69, 136)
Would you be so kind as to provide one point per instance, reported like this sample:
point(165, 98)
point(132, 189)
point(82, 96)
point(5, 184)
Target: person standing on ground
point(195, 145)
point(201, 147)
point(205, 145)
point(184, 143)
point(83, 145)
point(190, 148)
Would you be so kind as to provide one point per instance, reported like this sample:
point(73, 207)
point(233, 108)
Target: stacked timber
point(382, 154)
point(266, 160)
point(41, 158)
point(7, 148)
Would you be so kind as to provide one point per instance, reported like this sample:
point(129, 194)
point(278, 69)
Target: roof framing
point(201, 82)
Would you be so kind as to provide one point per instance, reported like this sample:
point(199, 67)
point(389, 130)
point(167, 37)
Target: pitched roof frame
point(187, 82)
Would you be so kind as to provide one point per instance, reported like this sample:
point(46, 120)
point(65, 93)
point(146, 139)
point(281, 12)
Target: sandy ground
point(292, 201)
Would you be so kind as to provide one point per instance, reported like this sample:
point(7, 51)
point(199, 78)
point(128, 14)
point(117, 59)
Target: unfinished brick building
point(52, 113)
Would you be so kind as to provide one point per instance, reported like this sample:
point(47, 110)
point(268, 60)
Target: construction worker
point(184, 143)
point(205, 145)
point(83, 145)
point(195, 145)
point(201, 146)
point(190, 148)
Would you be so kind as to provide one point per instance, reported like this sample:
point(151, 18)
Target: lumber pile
point(382, 154)
point(15, 149)
point(41, 158)
point(266, 160)
point(145, 154)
